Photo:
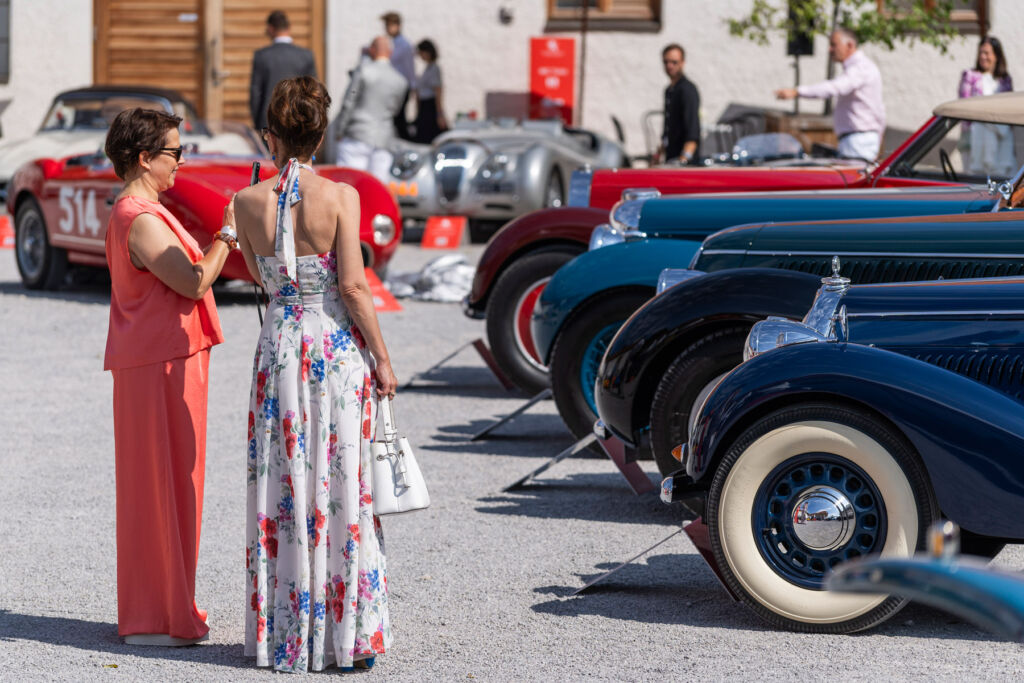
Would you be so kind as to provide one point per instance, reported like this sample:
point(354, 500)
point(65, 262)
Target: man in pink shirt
point(859, 118)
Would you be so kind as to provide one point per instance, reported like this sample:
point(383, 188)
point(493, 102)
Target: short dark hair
point(135, 131)
point(674, 46)
point(278, 21)
point(426, 45)
point(297, 114)
point(391, 18)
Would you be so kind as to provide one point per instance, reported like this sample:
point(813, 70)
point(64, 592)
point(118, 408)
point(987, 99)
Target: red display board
point(552, 78)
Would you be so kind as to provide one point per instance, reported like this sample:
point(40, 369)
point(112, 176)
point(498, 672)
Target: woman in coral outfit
point(163, 321)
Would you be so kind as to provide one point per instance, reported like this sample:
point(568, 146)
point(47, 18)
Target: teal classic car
point(665, 360)
point(589, 298)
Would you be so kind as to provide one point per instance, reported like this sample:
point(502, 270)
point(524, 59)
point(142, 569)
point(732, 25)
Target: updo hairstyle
point(297, 114)
point(134, 131)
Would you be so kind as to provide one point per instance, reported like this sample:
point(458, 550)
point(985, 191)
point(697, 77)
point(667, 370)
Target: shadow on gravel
point(98, 636)
point(535, 427)
point(589, 497)
point(681, 589)
point(89, 293)
point(465, 380)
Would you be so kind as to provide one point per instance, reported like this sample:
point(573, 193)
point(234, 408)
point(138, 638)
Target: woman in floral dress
point(317, 582)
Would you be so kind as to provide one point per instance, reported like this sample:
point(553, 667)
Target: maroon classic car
point(523, 255)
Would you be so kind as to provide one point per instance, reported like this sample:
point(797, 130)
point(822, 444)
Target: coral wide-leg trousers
point(160, 454)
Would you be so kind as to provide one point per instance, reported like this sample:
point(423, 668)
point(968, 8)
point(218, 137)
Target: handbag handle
point(387, 416)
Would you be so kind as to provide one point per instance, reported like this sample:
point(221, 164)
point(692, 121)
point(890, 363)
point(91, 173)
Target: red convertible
point(523, 255)
point(61, 206)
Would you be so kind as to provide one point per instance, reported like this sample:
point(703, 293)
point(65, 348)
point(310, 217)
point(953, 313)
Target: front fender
point(969, 437)
point(534, 165)
point(629, 264)
point(537, 229)
point(656, 334)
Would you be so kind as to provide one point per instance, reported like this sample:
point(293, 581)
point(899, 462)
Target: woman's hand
point(386, 382)
point(229, 213)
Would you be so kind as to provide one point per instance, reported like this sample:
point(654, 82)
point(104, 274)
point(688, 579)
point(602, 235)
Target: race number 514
point(79, 211)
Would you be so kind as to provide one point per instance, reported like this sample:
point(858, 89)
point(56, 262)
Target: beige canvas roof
point(1007, 107)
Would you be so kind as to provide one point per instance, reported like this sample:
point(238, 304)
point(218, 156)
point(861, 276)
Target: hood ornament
point(835, 282)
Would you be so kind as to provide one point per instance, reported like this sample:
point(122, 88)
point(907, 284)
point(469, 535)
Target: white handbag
point(398, 484)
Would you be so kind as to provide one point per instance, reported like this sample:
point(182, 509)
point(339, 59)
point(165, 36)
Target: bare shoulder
point(255, 194)
point(345, 193)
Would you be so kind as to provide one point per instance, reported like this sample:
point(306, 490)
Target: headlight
point(605, 235)
point(670, 277)
point(406, 164)
point(625, 215)
point(383, 229)
point(825, 322)
point(496, 166)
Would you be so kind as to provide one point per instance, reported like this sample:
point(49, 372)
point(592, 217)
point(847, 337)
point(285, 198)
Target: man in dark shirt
point(681, 137)
point(280, 60)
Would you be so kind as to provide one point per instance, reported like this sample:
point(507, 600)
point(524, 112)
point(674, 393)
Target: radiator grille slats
point(862, 271)
point(1000, 370)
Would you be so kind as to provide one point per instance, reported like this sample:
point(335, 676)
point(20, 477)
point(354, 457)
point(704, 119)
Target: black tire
point(510, 343)
point(554, 190)
point(678, 389)
point(41, 265)
point(756, 526)
point(570, 350)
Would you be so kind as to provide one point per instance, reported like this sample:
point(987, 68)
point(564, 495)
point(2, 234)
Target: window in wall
point(604, 15)
point(968, 16)
point(5, 41)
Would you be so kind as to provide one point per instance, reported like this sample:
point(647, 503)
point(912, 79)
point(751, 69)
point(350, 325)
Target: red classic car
point(522, 256)
point(61, 206)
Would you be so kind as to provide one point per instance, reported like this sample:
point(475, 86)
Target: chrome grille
point(449, 168)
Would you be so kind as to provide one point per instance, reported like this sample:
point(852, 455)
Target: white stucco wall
point(624, 75)
point(51, 50)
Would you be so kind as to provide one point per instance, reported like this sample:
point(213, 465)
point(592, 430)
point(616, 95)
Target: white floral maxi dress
point(315, 564)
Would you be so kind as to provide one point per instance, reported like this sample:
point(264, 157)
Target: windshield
point(94, 113)
point(963, 151)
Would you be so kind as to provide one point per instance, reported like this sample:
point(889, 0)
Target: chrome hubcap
point(823, 518)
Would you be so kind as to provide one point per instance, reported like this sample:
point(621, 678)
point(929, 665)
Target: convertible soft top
point(1007, 107)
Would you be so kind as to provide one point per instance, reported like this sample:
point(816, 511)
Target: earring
point(314, 157)
point(273, 157)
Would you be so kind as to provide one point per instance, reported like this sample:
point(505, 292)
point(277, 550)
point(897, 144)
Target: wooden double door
point(202, 48)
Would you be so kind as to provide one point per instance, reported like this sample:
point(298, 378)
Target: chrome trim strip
point(74, 239)
point(936, 314)
point(914, 254)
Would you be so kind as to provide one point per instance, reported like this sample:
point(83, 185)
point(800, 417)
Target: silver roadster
point(493, 171)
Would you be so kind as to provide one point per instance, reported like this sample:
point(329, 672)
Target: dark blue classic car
point(666, 358)
point(588, 298)
point(848, 434)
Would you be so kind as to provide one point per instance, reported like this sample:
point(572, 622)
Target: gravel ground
point(480, 582)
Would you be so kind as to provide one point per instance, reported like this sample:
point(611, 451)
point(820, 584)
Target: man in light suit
point(280, 60)
point(366, 124)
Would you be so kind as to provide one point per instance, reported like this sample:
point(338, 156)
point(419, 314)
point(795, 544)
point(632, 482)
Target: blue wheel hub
point(813, 512)
point(591, 361)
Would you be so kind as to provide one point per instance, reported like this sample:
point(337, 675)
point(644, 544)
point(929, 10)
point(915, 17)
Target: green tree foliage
point(908, 21)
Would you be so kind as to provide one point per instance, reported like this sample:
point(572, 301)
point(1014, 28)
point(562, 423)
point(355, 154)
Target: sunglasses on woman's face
point(174, 151)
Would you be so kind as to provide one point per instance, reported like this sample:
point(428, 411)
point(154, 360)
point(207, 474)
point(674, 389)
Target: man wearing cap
point(280, 60)
point(402, 56)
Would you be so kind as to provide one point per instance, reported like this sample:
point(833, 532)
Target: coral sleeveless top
point(149, 321)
